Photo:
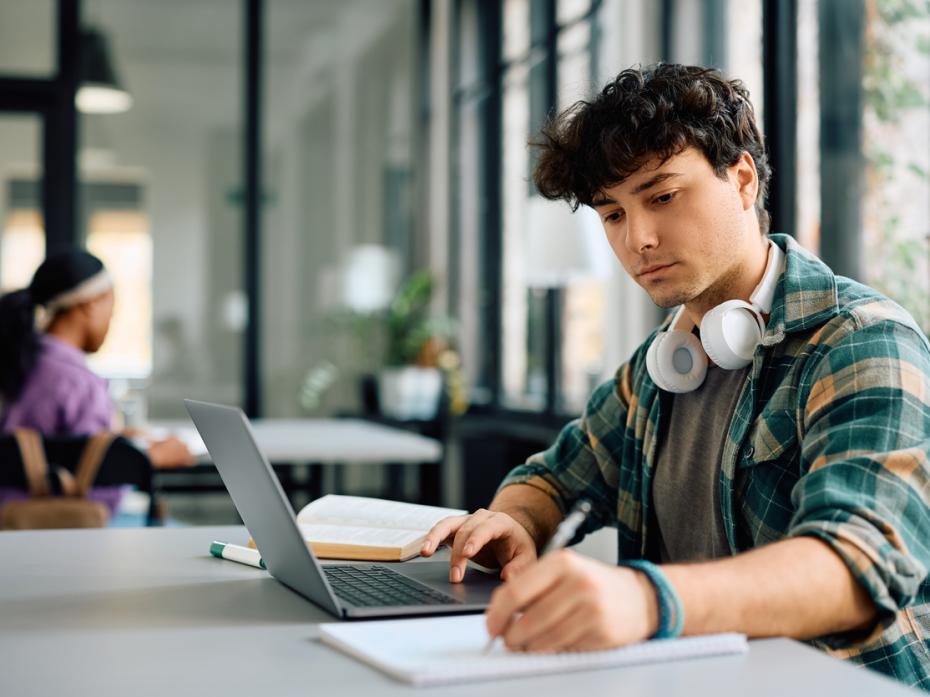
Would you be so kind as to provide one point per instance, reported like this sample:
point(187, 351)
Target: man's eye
point(665, 198)
point(612, 217)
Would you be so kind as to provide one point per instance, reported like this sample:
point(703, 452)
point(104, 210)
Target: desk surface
point(149, 612)
point(323, 440)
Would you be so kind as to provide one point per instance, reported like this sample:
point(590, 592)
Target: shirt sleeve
point(582, 463)
point(86, 408)
point(865, 458)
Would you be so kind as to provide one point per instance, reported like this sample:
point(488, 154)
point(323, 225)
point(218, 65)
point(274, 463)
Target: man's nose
point(640, 234)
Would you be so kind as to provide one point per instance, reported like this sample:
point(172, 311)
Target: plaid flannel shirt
point(830, 437)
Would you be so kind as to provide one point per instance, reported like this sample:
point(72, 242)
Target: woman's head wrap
point(68, 278)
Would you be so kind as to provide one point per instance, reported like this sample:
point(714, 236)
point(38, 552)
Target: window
point(121, 240)
point(523, 379)
point(22, 249)
point(583, 315)
point(896, 124)
point(22, 245)
point(476, 209)
point(808, 145)
point(546, 315)
point(28, 38)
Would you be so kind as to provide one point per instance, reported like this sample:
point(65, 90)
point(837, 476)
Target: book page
point(358, 511)
point(360, 536)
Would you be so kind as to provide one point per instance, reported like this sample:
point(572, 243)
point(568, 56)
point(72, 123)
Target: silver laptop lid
point(261, 502)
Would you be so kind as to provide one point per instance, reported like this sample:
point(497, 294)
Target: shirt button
point(750, 451)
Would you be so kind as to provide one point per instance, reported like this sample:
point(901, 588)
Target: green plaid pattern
point(830, 438)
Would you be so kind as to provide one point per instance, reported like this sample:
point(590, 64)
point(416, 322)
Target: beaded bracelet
point(671, 613)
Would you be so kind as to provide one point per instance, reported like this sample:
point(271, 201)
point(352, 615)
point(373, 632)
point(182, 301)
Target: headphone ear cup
point(676, 362)
point(730, 333)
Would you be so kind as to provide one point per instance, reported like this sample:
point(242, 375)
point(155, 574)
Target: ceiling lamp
point(99, 90)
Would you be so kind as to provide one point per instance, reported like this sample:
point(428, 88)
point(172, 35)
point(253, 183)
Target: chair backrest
point(64, 505)
point(123, 463)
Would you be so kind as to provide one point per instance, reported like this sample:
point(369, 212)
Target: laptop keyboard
point(378, 586)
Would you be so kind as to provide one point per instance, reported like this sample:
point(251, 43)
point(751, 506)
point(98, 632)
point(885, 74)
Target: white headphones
point(677, 360)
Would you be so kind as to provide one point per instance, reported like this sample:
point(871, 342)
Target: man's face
point(681, 231)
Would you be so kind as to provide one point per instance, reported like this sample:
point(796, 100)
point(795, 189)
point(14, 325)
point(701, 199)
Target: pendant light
point(99, 91)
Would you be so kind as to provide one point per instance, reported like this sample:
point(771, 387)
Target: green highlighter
point(243, 555)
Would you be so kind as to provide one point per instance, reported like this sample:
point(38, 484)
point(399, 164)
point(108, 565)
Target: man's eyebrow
point(603, 200)
point(657, 179)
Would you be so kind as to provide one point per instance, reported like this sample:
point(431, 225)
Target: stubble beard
point(673, 297)
point(706, 297)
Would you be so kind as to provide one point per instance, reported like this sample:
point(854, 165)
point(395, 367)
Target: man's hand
point(568, 602)
point(491, 538)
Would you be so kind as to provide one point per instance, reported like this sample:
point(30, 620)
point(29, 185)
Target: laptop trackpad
point(476, 588)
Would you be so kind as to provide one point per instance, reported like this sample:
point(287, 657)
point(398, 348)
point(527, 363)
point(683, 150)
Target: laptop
point(345, 590)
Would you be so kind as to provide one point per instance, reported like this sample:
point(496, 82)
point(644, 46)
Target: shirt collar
point(62, 350)
point(805, 295)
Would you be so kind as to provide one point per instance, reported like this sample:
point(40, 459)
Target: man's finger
point(440, 532)
point(566, 636)
point(542, 624)
point(534, 581)
point(472, 538)
point(519, 563)
point(481, 527)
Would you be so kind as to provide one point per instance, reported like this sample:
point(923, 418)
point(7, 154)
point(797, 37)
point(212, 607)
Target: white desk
point(144, 612)
point(322, 441)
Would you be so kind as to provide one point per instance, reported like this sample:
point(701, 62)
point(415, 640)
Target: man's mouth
point(654, 270)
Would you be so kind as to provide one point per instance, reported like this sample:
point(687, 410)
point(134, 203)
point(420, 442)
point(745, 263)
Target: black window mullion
point(543, 90)
point(455, 238)
point(252, 74)
point(779, 57)
point(491, 35)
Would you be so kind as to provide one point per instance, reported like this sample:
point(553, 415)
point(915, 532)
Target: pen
point(243, 555)
point(561, 537)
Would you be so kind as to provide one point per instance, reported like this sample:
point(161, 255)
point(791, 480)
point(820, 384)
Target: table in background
point(147, 611)
point(298, 442)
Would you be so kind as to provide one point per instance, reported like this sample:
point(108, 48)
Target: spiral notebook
point(440, 650)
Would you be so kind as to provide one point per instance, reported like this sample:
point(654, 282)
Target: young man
point(780, 489)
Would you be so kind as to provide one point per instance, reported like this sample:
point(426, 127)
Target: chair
point(124, 463)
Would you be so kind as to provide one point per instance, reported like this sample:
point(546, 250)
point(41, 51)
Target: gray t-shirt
point(686, 488)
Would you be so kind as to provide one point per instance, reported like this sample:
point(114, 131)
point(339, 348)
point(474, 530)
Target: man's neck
point(737, 284)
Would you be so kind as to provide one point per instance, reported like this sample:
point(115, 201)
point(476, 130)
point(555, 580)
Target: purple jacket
point(62, 396)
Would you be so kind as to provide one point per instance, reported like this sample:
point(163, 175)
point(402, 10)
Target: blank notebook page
point(451, 649)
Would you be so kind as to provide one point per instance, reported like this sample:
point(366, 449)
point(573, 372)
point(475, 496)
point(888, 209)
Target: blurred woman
point(45, 383)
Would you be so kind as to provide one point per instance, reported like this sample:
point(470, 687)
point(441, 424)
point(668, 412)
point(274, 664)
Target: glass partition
point(338, 203)
point(161, 200)
point(28, 38)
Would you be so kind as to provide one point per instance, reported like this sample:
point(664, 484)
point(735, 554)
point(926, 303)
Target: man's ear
point(744, 175)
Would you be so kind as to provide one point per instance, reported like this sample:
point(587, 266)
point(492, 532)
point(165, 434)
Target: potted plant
point(402, 355)
point(417, 346)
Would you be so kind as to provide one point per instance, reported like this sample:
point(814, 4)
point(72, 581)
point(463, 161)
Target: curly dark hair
point(657, 111)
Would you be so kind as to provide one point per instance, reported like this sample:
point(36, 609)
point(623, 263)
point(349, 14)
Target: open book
point(442, 650)
point(356, 527)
